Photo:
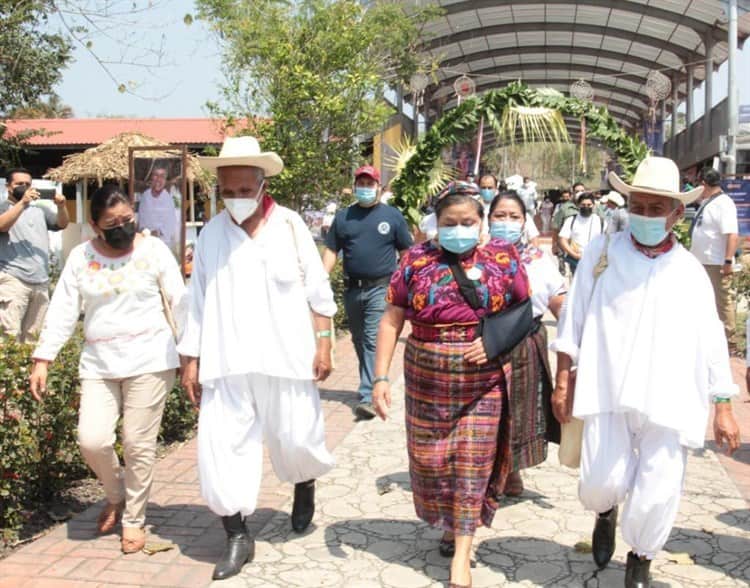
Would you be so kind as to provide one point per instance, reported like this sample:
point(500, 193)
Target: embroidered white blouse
point(250, 299)
point(125, 328)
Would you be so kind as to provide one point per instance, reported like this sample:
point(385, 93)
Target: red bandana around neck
point(660, 249)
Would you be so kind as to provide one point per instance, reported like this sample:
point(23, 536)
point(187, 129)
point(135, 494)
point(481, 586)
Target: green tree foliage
point(316, 72)
point(31, 62)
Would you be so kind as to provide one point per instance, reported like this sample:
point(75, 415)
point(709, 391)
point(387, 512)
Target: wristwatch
point(728, 261)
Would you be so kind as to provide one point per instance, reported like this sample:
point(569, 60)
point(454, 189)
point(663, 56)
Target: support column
point(662, 119)
point(689, 110)
point(733, 107)
point(708, 86)
point(673, 151)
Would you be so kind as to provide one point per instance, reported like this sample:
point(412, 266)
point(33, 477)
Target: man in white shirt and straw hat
point(642, 328)
point(259, 323)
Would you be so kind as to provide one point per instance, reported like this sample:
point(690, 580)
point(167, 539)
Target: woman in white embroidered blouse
point(128, 362)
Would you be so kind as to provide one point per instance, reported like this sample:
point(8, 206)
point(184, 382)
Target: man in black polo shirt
point(370, 234)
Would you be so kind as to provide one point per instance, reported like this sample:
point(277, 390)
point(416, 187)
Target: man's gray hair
point(260, 173)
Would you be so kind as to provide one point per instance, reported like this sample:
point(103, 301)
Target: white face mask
point(242, 209)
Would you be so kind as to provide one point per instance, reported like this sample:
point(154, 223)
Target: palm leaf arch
point(412, 186)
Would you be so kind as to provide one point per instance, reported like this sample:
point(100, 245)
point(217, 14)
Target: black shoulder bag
point(500, 331)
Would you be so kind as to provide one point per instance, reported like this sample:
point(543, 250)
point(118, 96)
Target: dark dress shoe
point(637, 572)
point(603, 538)
point(304, 505)
point(240, 548)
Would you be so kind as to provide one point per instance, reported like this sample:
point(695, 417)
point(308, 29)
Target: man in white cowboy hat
point(257, 277)
point(639, 312)
point(615, 212)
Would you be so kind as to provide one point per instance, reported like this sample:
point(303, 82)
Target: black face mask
point(585, 212)
point(120, 237)
point(19, 191)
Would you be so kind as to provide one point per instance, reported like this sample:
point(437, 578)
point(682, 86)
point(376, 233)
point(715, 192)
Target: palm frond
point(536, 124)
point(439, 175)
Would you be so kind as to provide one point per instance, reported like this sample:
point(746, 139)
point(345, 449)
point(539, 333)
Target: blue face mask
point(510, 231)
point(458, 239)
point(487, 194)
point(648, 231)
point(365, 195)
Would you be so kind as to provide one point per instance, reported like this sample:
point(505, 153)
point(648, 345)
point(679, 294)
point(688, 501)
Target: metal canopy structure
point(611, 44)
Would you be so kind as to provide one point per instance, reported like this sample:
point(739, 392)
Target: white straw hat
point(244, 151)
point(658, 176)
point(614, 197)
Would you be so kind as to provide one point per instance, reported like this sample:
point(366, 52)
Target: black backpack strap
point(465, 285)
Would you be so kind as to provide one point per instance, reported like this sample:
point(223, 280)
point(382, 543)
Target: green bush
point(337, 285)
point(39, 454)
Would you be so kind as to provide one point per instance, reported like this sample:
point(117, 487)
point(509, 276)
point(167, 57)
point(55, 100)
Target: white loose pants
point(237, 412)
point(625, 458)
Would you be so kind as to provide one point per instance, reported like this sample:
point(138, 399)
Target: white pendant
point(474, 273)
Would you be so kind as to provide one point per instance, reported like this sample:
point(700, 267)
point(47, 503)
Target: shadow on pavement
point(385, 483)
point(194, 529)
point(411, 544)
point(705, 545)
point(346, 397)
point(736, 518)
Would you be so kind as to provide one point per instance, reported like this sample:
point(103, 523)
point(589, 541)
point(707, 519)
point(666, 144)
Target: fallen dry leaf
point(683, 559)
point(153, 547)
point(583, 547)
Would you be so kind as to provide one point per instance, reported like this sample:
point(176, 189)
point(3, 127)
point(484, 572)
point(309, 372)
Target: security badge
point(474, 273)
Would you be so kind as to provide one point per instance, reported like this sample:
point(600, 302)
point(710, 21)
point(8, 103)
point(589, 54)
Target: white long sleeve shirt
point(646, 337)
point(250, 299)
point(159, 213)
point(125, 328)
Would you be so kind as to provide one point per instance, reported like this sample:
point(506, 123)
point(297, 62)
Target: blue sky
point(191, 73)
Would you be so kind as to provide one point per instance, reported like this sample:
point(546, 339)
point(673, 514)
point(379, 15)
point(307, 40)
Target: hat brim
point(684, 197)
point(270, 163)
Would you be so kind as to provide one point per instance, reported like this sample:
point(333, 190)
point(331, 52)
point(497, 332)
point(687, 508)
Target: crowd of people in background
point(252, 335)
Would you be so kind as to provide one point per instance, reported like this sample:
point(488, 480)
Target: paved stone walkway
point(365, 533)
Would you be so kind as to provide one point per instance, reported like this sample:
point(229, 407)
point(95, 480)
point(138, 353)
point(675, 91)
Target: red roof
point(93, 131)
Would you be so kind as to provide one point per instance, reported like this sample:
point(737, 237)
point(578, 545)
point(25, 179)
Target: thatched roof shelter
point(109, 161)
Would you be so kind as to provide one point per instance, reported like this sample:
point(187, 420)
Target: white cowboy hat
point(658, 176)
point(244, 151)
point(614, 197)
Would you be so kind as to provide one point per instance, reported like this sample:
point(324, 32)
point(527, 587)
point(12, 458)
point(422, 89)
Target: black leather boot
point(636, 572)
point(304, 505)
point(603, 538)
point(240, 548)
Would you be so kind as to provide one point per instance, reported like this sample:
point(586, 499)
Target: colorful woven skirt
point(457, 435)
point(532, 423)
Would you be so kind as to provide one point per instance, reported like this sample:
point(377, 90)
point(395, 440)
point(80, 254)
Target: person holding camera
point(24, 255)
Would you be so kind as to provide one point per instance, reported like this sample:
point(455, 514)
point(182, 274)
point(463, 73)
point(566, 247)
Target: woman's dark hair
point(710, 176)
point(453, 199)
point(106, 197)
point(508, 195)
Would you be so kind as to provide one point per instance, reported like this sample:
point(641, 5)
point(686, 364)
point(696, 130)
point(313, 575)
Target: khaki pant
point(140, 400)
point(22, 306)
point(724, 300)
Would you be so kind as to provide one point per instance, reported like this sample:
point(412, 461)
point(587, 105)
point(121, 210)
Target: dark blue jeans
point(364, 307)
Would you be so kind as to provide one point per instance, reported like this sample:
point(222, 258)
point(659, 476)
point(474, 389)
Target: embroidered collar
point(660, 249)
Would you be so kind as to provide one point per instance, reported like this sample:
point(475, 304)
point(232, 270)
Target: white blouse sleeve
point(317, 284)
point(63, 311)
point(190, 341)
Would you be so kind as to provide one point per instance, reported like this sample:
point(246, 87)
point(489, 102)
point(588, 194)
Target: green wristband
point(380, 379)
point(719, 400)
point(321, 334)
